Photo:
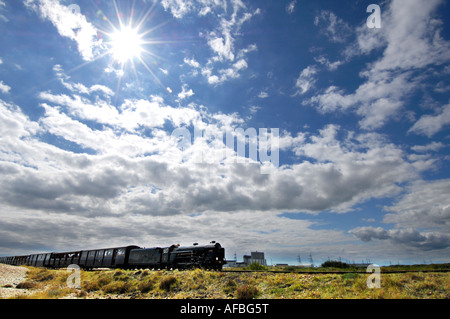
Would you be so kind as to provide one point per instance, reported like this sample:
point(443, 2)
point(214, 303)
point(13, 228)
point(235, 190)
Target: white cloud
point(306, 80)
point(79, 87)
point(4, 88)
point(192, 63)
point(178, 8)
point(429, 125)
point(410, 39)
point(377, 101)
point(2, 8)
point(225, 74)
point(131, 115)
point(226, 60)
point(263, 95)
point(332, 66)
point(253, 109)
point(222, 45)
point(127, 176)
point(14, 124)
point(408, 237)
point(185, 93)
point(69, 24)
point(164, 71)
point(421, 218)
point(338, 176)
point(426, 205)
point(434, 147)
point(333, 27)
point(413, 36)
point(290, 8)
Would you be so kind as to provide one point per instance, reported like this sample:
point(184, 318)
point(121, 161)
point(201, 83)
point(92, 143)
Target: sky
point(295, 128)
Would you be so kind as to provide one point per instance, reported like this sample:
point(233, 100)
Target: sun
point(126, 44)
point(129, 42)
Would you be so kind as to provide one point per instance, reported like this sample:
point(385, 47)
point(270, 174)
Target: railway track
point(318, 272)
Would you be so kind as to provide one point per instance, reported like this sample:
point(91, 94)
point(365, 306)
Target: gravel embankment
point(10, 277)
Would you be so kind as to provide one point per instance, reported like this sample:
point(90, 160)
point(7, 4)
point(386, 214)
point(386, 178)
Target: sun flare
point(126, 44)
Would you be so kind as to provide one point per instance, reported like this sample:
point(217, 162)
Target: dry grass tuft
point(247, 292)
point(197, 284)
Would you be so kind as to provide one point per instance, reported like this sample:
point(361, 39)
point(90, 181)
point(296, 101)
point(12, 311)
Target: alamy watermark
point(74, 280)
point(74, 8)
point(240, 146)
point(374, 280)
point(374, 20)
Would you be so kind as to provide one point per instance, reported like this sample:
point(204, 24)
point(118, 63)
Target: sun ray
point(128, 38)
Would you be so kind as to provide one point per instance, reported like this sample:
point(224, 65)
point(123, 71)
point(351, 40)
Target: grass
point(51, 284)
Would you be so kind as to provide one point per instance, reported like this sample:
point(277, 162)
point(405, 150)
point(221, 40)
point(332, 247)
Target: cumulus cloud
point(407, 237)
point(425, 205)
point(429, 125)
point(105, 169)
point(421, 218)
point(336, 177)
point(4, 88)
point(410, 40)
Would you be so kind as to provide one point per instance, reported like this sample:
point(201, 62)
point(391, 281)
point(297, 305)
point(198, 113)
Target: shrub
point(27, 285)
point(118, 287)
point(145, 286)
point(256, 266)
point(41, 275)
point(246, 292)
point(230, 286)
point(167, 283)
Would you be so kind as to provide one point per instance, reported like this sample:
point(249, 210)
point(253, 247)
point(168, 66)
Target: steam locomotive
point(211, 256)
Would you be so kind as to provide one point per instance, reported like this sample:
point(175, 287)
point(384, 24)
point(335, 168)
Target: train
point(210, 256)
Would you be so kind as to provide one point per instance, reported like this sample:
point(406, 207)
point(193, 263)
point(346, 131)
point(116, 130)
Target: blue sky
point(92, 94)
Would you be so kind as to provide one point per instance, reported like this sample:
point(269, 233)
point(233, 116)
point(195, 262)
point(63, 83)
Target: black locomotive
point(210, 256)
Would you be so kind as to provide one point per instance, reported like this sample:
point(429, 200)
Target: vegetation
point(335, 264)
point(256, 266)
point(48, 284)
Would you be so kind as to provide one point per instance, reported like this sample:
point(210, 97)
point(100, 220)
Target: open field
point(198, 284)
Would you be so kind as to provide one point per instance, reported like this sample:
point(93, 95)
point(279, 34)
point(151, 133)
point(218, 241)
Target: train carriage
point(146, 257)
point(210, 256)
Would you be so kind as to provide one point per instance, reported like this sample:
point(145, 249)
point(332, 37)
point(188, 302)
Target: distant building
point(254, 257)
point(257, 257)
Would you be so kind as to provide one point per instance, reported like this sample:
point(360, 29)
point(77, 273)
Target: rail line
point(319, 272)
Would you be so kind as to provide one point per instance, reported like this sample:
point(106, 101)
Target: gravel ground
point(10, 277)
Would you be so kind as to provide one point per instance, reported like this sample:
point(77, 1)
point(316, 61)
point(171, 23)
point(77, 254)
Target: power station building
point(254, 257)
